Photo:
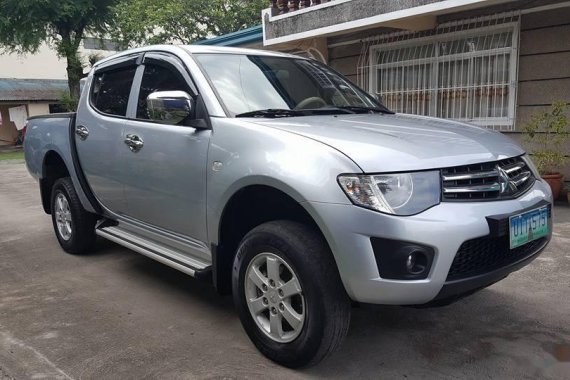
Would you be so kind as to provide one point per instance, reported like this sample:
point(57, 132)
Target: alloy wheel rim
point(274, 297)
point(63, 217)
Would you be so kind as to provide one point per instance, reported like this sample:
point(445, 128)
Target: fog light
point(416, 262)
point(401, 260)
point(411, 262)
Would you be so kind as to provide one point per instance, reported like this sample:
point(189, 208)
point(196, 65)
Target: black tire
point(326, 303)
point(82, 237)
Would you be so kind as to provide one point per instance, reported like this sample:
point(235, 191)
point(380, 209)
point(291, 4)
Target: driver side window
point(158, 78)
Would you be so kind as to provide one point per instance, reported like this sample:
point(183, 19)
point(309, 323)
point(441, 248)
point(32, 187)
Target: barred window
point(464, 74)
point(93, 43)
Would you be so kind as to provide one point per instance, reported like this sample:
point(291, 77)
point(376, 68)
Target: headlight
point(398, 193)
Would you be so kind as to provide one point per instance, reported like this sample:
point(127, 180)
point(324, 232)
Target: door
point(99, 128)
point(165, 184)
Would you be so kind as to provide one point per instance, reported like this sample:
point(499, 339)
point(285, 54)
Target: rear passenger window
point(111, 89)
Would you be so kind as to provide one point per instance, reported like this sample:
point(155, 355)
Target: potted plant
point(546, 133)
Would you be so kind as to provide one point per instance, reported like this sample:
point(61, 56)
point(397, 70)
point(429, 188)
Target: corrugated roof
point(31, 89)
point(239, 38)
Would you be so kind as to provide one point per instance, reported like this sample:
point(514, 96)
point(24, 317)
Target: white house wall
point(45, 64)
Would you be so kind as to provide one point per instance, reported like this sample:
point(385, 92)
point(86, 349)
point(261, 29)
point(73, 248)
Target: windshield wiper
point(359, 109)
point(272, 113)
point(282, 112)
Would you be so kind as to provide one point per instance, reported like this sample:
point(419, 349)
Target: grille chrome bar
point(472, 189)
point(513, 167)
point(521, 178)
point(468, 176)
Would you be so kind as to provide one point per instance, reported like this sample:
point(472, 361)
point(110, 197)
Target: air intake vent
point(505, 179)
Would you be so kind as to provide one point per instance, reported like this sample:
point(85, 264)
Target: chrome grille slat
point(504, 179)
point(472, 189)
point(521, 178)
point(467, 176)
point(513, 167)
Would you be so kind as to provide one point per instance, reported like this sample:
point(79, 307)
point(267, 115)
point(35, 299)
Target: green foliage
point(140, 22)
point(68, 102)
point(546, 133)
point(26, 24)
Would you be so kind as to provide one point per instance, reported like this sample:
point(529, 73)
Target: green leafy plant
point(545, 134)
point(141, 22)
point(68, 102)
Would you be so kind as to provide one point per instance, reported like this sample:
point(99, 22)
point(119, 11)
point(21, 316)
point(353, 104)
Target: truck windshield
point(267, 86)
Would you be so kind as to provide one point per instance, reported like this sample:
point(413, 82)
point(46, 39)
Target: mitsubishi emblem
point(504, 181)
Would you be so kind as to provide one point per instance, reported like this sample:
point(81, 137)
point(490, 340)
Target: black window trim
point(138, 59)
point(119, 63)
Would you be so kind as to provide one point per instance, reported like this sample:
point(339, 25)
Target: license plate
point(528, 226)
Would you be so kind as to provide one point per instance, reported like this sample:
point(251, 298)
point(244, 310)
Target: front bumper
point(445, 227)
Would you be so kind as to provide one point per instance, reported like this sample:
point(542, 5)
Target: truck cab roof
point(194, 49)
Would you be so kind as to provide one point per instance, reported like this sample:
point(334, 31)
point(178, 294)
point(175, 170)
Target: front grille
point(505, 179)
point(481, 255)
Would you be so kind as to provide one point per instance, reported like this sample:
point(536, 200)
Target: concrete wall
point(336, 13)
point(344, 59)
point(45, 64)
point(8, 131)
point(35, 109)
point(544, 62)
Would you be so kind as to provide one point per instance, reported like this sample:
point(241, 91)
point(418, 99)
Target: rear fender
point(50, 140)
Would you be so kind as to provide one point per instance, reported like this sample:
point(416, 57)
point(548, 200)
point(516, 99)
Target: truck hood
point(385, 143)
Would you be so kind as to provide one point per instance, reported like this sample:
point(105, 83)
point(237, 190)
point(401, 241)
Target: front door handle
point(134, 142)
point(82, 132)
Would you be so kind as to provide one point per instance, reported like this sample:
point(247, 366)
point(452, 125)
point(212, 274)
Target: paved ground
point(116, 314)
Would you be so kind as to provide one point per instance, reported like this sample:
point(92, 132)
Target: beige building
point(32, 84)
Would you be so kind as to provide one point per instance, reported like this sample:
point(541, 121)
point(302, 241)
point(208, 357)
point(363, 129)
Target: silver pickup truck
point(281, 182)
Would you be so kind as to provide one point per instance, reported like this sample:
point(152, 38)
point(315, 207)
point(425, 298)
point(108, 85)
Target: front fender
point(242, 154)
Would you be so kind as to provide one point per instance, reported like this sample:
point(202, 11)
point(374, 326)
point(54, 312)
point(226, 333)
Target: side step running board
point(156, 252)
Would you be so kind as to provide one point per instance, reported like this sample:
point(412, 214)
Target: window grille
point(463, 70)
point(93, 43)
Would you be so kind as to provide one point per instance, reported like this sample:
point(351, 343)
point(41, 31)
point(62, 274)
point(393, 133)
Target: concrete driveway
point(116, 314)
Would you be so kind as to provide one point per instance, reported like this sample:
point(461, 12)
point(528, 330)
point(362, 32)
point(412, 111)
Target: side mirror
point(169, 107)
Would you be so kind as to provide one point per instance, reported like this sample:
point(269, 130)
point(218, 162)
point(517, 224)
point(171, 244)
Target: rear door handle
point(82, 132)
point(134, 142)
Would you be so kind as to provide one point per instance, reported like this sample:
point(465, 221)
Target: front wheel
point(289, 295)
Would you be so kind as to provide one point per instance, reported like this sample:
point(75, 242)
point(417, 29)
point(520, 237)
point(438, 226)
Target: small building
point(26, 97)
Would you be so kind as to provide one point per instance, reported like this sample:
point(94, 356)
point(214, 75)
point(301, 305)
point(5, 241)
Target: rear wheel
point(73, 226)
point(289, 295)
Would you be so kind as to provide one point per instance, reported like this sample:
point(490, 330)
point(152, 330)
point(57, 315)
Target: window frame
point(170, 62)
point(502, 123)
point(122, 62)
